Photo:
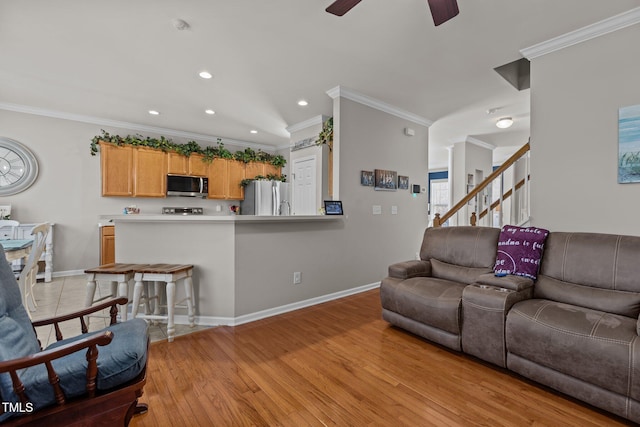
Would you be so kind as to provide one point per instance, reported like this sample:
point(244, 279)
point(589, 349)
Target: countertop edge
point(217, 218)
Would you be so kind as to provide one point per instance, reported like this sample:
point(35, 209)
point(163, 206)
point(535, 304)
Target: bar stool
point(170, 274)
point(118, 275)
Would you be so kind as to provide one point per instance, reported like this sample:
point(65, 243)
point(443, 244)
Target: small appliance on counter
point(266, 198)
point(182, 211)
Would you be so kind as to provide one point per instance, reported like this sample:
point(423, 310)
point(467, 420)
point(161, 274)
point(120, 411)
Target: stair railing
point(476, 193)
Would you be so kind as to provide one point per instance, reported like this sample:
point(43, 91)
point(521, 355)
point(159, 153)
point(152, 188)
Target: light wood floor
point(339, 364)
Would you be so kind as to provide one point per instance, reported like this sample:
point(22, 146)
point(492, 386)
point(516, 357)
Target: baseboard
point(67, 273)
point(252, 317)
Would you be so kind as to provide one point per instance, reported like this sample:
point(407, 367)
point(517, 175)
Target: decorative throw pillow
point(520, 250)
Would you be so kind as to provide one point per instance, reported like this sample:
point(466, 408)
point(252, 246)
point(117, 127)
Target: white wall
point(467, 159)
point(575, 96)
point(357, 251)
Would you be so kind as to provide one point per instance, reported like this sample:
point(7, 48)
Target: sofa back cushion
point(598, 271)
point(463, 246)
point(456, 273)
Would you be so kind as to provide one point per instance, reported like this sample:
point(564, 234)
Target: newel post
point(436, 220)
point(473, 219)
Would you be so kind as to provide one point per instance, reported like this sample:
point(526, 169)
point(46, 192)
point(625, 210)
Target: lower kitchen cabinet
point(107, 244)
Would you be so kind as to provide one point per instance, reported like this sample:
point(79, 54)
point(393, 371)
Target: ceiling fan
point(441, 10)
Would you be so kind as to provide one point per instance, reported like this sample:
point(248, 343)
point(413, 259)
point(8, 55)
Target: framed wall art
point(629, 144)
point(386, 180)
point(403, 182)
point(366, 178)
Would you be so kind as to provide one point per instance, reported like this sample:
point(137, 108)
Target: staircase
point(502, 198)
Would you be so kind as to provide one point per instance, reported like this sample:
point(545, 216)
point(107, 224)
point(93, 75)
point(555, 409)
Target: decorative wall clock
point(18, 167)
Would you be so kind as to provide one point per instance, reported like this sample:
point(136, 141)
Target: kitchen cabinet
point(197, 165)
point(182, 165)
point(116, 163)
point(269, 169)
point(107, 244)
point(225, 176)
point(149, 172)
point(253, 169)
point(177, 164)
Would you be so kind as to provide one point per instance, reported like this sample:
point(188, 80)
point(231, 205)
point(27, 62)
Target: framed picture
point(403, 182)
point(629, 144)
point(366, 178)
point(333, 207)
point(386, 180)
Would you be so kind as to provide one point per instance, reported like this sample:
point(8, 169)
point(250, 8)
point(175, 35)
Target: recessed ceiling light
point(303, 103)
point(504, 122)
point(154, 112)
point(253, 131)
point(211, 112)
point(205, 74)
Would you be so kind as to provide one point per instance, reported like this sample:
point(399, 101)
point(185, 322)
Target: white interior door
point(304, 186)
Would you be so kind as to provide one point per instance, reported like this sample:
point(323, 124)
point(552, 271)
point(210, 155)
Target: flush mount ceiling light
point(205, 74)
point(504, 122)
point(210, 112)
point(303, 103)
point(253, 131)
point(180, 24)
point(154, 112)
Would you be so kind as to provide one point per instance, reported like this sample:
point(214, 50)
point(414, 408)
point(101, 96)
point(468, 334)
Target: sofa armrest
point(638, 326)
point(409, 269)
point(514, 283)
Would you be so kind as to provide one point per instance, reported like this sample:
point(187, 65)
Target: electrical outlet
point(297, 277)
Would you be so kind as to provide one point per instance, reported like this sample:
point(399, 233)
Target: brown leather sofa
point(575, 330)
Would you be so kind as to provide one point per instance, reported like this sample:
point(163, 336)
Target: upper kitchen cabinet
point(116, 164)
point(225, 178)
point(254, 169)
point(182, 165)
point(197, 165)
point(177, 163)
point(149, 172)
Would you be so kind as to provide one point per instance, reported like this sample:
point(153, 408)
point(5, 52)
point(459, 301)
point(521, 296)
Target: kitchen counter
point(219, 218)
point(244, 264)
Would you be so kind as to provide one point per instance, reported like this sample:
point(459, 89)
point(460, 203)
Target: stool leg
point(188, 288)
point(90, 293)
point(171, 299)
point(137, 293)
point(123, 291)
point(147, 304)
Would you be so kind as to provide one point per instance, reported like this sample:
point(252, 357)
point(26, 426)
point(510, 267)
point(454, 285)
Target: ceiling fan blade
point(442, 10)
point(340, 7)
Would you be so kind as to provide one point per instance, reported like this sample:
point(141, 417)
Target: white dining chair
point(28, 275)
point(12, 227)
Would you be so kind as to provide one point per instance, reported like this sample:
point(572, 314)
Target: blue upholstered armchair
point(91, 379)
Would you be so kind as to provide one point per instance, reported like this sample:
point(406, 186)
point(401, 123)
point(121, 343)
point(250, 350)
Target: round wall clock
point(18, 167)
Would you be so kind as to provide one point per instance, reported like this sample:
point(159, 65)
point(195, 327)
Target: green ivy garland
point(209, 153)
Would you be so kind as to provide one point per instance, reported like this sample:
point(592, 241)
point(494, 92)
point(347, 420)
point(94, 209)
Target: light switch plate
point(394, 210)
point(377, 210)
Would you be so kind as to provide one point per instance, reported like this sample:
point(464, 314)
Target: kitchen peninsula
point(244, 265)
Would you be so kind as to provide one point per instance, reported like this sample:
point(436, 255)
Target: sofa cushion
point(118, 362)
point(610, 301)
point(604, 261)
point(463, 246)
point(520, 250)
point(432, 301)
point(456, 273)
point(593, 346)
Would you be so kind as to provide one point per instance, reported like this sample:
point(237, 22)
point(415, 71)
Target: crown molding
point(580, 35)
point(26, 109)
point(480, 143)
point(313, 121)
point(340, 91)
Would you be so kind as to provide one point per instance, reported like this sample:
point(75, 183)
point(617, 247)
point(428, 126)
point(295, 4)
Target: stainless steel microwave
point(187, 186)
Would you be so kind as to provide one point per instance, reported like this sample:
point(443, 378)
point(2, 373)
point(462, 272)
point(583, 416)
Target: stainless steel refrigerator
point(266, 198)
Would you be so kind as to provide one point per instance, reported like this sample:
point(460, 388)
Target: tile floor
point(66, 294)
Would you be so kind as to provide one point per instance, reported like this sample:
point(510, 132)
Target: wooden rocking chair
point(94, 379)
